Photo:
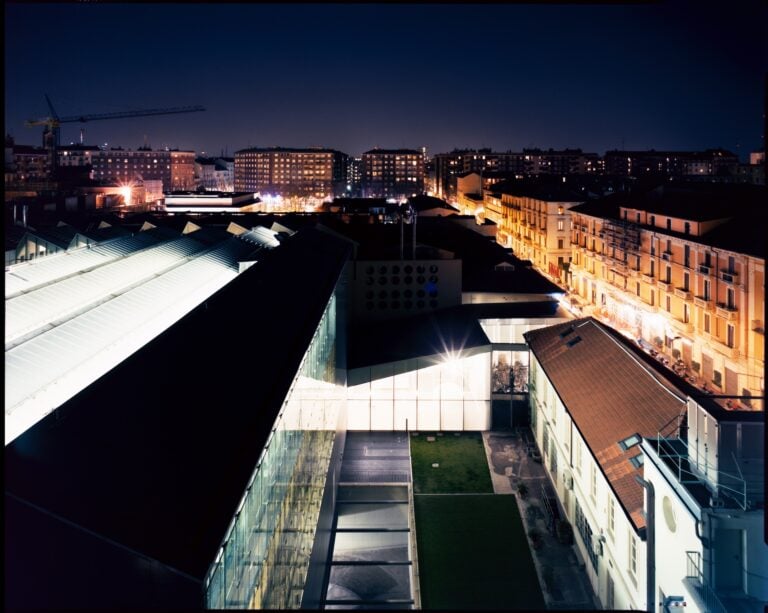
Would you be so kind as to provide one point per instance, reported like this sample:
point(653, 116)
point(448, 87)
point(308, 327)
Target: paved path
point(563, 580)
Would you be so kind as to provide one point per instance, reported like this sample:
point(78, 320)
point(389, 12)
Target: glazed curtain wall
point(422, 394)
point(264, 559)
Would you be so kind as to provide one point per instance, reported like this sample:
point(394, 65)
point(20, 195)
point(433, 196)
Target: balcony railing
point(665, 285)
point(701, 588)
point(703, 302)
point(648, 278)
point(705, 269)
point(683, 293)
point(729, 276)
point(726, 311)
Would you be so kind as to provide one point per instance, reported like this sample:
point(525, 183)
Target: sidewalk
point(563, 580)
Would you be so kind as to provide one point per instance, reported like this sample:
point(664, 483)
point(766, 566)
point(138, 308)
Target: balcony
point(704, 303)
point(634, 272)
point(683, 293)
point(665, 285)
point(726, 311)
point(598, 257)
point(706, 597)
point(705, 270)
point(648, 278)
point(729, 276)
point(666, 256)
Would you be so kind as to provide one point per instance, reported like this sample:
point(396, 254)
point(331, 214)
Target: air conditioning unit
point(597, 544)
point(568, 481)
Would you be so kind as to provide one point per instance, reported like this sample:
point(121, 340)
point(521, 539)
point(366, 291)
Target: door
point(728, 559)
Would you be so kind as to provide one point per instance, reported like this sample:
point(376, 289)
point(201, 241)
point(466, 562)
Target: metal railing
point(695, 573)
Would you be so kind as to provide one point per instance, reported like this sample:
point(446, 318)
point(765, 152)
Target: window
point(706, 323)
point(611, 516)
point(638, 218)
point(560, 224)
point(687, 256)
point(707, 289)
point(686, 281)
point(559, 243)
point(687, 228)
point(636, 461)
point(686, 313)
point(668, 277)
point(593, 482)
point(577, 451)
point(669, 224)
point(632, 555)
point(731, 298)
point(669, 304)
point(585, 531)
point(637, 288)
point(731, 335)
point(731, 264)
point(630, 441)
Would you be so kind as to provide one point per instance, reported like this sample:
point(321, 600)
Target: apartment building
point(393, 173)
point(176, 169)
point(534, 221)
point(712, 162)
point(313, 173)
point(683, 271)
point(526, 163)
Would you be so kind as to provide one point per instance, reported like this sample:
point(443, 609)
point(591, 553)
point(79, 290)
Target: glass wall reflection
point(264, 559)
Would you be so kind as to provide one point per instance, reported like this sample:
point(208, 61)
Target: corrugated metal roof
point(610, 394)
point(53, 366)
point(29, 275)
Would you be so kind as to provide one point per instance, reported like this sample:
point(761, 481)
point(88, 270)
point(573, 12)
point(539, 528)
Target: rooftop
point(183, 420)
point(633, 400)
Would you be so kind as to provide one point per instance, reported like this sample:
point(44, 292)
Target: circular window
point(369, 270)
point(382, 304)
point(395, 280)
point(395, 293)
point(420, 293)
point(420, 280)
point(408, 280)
point(433, 304)
point(369, 294)
point(433, 279)
point(383, 270)
point(433, 269)
point(408, 269)
point(395, 270)
point(669, 514)
point(420, 269)
point(408, 304)
point(407, 293)
point(420, 304)
point(382, 280)
point(383, 293)
point(369, 281)
point(395, 304)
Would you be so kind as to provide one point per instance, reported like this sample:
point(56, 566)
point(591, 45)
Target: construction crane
point(51, 133)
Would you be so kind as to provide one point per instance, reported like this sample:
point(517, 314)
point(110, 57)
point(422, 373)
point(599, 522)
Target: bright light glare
point(125, 192)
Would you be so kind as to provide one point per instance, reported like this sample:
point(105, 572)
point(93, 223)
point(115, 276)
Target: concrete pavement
point(562, 577)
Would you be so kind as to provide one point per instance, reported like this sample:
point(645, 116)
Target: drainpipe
point(650, 556)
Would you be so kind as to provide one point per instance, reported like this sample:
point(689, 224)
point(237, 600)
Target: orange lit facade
point(658, 278)
point(536, 226)
point(182, 170)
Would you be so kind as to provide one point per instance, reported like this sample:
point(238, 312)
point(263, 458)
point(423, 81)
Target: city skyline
point(672, 76)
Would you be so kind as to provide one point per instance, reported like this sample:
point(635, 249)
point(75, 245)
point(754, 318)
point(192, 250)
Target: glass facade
point(510, 372)
point(264, 559)
point(512, 330)
point(422, 394)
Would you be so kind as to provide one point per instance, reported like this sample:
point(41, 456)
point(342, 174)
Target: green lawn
point(473, 554)
point(463, 464)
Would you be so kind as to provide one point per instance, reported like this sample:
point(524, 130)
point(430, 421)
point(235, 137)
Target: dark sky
point(668, 75)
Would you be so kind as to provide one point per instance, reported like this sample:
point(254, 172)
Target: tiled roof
point(610, 394)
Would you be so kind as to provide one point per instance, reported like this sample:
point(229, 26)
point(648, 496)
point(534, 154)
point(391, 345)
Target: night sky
point(669, 75)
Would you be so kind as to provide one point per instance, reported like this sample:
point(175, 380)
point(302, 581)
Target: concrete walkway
point(562, 577)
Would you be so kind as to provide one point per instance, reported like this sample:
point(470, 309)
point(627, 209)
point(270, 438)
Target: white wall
point(629, 590)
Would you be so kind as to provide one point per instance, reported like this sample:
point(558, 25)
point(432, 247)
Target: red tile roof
point(610, 394)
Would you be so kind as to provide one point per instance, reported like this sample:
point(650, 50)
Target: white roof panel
point(47, 370)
